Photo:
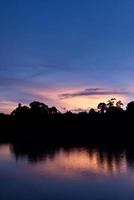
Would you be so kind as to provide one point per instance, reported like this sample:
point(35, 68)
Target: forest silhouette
point(108, 124)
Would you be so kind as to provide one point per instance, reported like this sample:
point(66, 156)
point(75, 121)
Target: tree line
point(39, 108)
point(109, 123)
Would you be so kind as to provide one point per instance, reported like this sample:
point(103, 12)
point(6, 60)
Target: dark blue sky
point(54, 47)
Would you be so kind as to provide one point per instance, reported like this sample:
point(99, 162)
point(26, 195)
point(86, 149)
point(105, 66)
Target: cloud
point(93, 92)
point(74, 98)
point(32, 69)
point(7, 106)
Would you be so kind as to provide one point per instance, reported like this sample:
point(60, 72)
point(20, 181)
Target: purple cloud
point(92, 92)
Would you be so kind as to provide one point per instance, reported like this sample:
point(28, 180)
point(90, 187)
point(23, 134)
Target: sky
point(72, 54)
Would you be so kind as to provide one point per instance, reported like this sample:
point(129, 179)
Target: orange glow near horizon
point(89, 102)
point(72, 103)
point(51, 97)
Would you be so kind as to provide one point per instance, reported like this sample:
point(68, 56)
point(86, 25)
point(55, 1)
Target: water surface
point(62, 174)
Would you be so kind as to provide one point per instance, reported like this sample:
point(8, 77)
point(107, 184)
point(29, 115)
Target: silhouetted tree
point(102, 107)
point(114, 111)
point(39, 108)
point(68, 113)
point(92, 111)
point(53, 110)
point(20, 111)
point(111, 102)
point(130, 107)
point(119, 104)
point(26, 121)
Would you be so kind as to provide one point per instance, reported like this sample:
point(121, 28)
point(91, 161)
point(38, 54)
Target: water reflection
point(71, 160)
point(33, 172)
point(5, 152)
point(80, 162)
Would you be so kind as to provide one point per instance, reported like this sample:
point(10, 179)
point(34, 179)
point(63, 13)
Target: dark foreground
point(50, 155)
point(111, 125)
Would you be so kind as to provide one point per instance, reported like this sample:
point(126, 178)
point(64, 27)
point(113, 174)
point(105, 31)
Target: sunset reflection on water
point(65, 173)
point(81, 161)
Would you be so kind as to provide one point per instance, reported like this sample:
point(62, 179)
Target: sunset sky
point(68, 53)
